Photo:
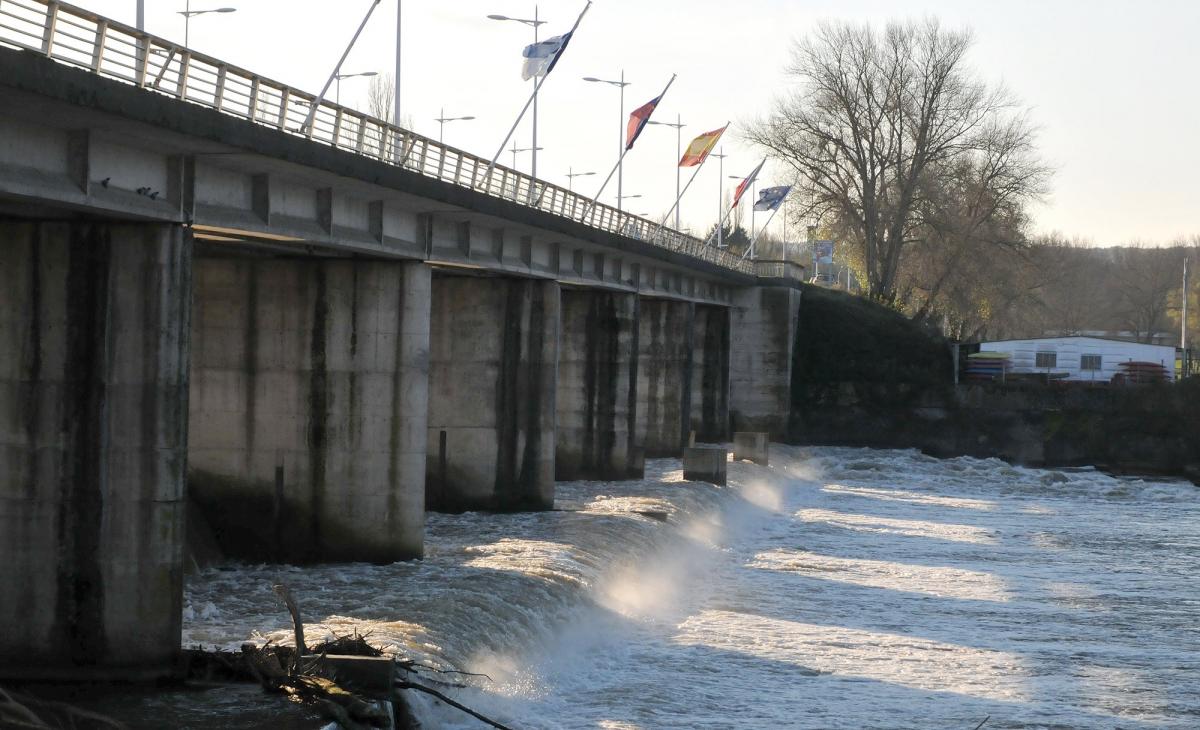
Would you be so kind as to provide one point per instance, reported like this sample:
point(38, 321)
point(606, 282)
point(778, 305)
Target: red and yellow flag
point(698, 150)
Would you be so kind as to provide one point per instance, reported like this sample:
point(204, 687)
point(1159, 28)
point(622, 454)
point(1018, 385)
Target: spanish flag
point(698, 150)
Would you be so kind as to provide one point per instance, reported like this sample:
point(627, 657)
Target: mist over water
point(837, 588)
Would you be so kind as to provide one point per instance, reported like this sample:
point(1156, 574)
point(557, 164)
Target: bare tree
point(879, 120)
point(381, 97)
point(1144, 279)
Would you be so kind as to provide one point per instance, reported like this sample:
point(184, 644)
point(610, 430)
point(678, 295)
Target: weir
point(310, 340)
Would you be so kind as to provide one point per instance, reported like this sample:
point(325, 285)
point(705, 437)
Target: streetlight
point(720, 196)
point(443, 119)
point(621, 84)
point(678, 125)
point(516, 149)
point(571, 175)
point(532, 23)
point(753, 184)
point(339, 77)
point(629, 197)
point(187, 14)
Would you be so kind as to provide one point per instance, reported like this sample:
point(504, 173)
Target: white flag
point(541, 56)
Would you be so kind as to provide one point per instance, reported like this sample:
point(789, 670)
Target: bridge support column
point(309, 399)
point(664, 389)
point(93, 442)
point(492, 374)
point(710, 374)
point(763, 339)
point(597, 386)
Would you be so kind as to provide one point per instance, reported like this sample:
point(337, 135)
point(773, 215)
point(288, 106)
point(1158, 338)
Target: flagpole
point(750, 249)
point(751, 178)
point(492, 165)
point(624, 151)
point(312, 114)
point(663, 222)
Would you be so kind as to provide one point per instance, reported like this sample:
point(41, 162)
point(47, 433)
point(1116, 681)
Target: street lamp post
point(515, 150)
point(571, 175)
point(338, 94)
point(533, 23)
point(441, 120)
point(720, 196)
point(678, 125)
point(187, 14)
point(621, 84)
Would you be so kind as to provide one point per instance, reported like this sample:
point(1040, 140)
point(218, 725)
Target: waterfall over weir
point(838, 588)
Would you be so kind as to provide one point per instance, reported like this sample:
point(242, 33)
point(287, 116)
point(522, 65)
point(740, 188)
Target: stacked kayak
point(1141, 372)
point(988, 366)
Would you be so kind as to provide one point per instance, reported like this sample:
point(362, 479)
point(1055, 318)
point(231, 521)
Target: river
point(837, 588)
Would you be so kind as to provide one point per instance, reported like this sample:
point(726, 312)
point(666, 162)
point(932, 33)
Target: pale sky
point(1112, 85)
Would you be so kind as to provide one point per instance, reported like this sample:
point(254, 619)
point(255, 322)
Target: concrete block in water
point(751, 446)
point(705, 464)
point(364, 673)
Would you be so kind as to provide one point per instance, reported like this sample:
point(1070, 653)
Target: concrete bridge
point(309, 333)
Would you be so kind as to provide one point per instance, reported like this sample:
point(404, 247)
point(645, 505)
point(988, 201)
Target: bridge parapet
point(86, 40)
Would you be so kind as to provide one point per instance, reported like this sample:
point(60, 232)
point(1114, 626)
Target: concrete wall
point(93, 437)
point(309, 398)
point(710, 374)
point(492, 374)
point(597, 386)
point(762, 338)
point(664, 392)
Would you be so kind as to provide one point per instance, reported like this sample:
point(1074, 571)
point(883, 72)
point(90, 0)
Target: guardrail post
point(252, 109)
point(185, 65)
point(219, 94)
point(337, 128)
point(285, 98)
point(362, 133)
point(49, 29)
point(98, 51)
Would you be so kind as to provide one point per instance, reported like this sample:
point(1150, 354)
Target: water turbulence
point(837, 588)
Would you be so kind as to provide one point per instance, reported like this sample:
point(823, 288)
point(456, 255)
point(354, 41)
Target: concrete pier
point(752, 446)
point(597, 386)
point(309, 401)
point(93, 442)
point(664, 388)
point(706, 464)
point(492, 389)
point(710, 374)
point(762, 341)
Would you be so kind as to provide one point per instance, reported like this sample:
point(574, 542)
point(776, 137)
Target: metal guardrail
point(769, 269)
point(80, 38)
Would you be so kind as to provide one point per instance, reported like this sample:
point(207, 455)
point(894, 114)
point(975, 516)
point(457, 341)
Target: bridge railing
point(78, 37)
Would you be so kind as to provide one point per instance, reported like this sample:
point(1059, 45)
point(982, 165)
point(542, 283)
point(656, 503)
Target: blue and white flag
point(541, 56)
point(771, 198)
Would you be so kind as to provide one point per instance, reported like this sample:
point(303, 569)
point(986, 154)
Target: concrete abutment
point(596, 425)
point(492, 393)
point(93, 443)
point(762, 342)
point(309, 401)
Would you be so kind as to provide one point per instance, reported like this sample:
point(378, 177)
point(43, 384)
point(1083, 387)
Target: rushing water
point(838, 588)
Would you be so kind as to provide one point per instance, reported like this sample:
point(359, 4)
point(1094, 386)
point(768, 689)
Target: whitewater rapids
point(837, 588)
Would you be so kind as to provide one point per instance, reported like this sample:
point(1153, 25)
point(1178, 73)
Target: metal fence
point(83, 39)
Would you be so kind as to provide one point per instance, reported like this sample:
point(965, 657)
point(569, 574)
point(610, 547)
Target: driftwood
point(452, 703)
point(297, 624)
point(336, 703)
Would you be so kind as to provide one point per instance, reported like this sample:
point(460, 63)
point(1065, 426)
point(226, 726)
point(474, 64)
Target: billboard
point(823, 252)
